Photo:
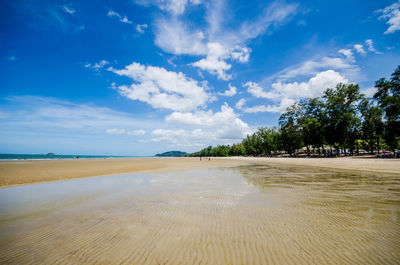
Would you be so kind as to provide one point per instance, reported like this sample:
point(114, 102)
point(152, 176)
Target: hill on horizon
point(172, 153)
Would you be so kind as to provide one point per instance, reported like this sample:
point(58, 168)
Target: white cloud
point(97, 65)
point(280, 108)
point(257, 91)
point(288, 93)
point(161, 88)
point(49, 113)
point(224, 124)
point(174, 7)
point(272, 16)
point(360, 49)
point(123, 19)
point(240, 103)
point(312, 67)
point(314, 87)
point(67, 8)
point(215, 41)
point(392, 15)
point(123, 131)
point(141, 27)
point(230, 92)
point(347, 52)
point(215, 62)
point(173, 36)
point(369, 92)
point(370, 45)
point(39, 125)
point(241, 54)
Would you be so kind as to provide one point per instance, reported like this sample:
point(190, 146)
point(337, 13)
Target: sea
point(9, 157)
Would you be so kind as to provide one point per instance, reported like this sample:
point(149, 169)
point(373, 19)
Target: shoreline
point(17, 173)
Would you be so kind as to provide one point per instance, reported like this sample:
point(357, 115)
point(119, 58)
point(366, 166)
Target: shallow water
point(243, 215)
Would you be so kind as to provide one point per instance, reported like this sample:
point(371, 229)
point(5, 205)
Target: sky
point(140, 77)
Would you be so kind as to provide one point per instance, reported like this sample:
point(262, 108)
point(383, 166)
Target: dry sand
point(13, 173)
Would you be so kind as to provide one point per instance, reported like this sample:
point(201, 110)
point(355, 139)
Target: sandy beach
point(259, 213)
point(14, 173)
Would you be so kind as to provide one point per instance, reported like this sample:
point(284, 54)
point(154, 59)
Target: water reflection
point(243, 215)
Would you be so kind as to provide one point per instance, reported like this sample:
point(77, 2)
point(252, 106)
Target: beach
point(187, 211)
point(13, 173)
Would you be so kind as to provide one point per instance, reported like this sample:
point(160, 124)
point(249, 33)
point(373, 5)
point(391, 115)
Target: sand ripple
point(246, 215)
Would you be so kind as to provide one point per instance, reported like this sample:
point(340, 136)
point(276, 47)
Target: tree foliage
point(342, 119)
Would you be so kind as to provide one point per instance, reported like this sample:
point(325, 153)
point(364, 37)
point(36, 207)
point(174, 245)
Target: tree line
point(342, 119)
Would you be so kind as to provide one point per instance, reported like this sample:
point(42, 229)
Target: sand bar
point(13, 173)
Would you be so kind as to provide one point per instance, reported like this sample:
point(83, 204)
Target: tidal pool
point(242, 215)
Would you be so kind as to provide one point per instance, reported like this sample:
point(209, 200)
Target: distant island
point(172, 153)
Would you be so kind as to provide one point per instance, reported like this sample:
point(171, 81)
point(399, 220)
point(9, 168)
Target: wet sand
point(365, 164)
point(258, 214)
point(13, 173)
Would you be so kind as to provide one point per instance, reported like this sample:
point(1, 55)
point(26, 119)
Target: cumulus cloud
point(230, 92)
point(161, 88)
point(257, 91)
point(217, 43)
point(370, 45)
point(312, 88)
point(288, 93)
point(347, 52)
point(215, 62)
point(140, 28)
point(392, 15)
point(123, 19)
point(224, 124)
point(126, 132)
point(360, 49)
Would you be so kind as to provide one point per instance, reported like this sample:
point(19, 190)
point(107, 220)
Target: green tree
point(312, 120)
point(372, 124)
point(388, 97)
point(342, 124)
point(290, 136)
point(268, 138)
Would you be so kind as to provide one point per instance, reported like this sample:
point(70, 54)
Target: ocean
point(53, 156)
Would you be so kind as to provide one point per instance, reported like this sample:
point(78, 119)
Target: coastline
point(16, 173)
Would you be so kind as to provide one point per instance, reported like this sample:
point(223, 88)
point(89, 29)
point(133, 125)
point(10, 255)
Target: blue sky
point(138, 77)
